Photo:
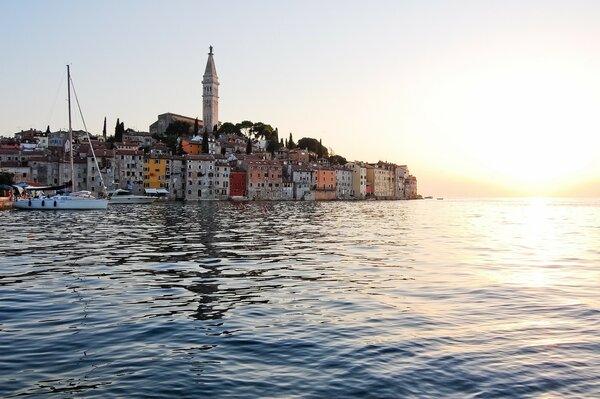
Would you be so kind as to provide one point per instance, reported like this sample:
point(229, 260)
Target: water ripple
point(456, 299)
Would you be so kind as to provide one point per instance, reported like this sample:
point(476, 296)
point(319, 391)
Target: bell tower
point(210, 94)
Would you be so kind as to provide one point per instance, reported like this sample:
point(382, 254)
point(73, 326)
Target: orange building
point(325, 184)
point(191, 147)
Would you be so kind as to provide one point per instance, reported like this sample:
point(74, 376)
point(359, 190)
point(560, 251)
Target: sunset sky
point(479, 98)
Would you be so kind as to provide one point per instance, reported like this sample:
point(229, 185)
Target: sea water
point(377, 299)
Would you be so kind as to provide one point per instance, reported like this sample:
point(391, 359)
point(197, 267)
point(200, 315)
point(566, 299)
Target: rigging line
point(62, 81)
point(88, 137)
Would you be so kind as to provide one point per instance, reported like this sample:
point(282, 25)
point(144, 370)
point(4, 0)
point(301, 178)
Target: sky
point(478, 98)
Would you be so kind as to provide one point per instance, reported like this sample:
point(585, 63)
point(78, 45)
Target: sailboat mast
point(73, 186)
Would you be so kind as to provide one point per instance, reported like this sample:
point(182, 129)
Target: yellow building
point(380, 181)
point(156, 171)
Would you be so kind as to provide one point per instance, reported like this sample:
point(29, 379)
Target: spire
point(211, 70)
point(210, 94)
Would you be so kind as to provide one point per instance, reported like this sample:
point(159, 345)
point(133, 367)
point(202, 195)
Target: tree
point(245, 128)
point(320, 149)
point(180, 150)
point(48, 129)
point(337, 160)
point(263, 130)
point(273, 142)
point(119, 130)
point(173, 132)
point(178, 128)
point(313, 145)
point(229, 128)
point(103, 129)
point(249, 146)
point(205, 142)
point(290, 143)
point(196, 127)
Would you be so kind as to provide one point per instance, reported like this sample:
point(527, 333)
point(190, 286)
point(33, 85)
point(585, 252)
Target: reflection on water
point(451, 298)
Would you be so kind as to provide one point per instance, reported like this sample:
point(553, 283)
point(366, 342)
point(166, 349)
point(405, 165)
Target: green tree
point(249, 146)
point(290, 143)
point(313, 145)
point(118, 134)
point(273, 141)
point(205, 142)
point(178, 128)
point(180, 150)
point(263, 130)
point(196, 127)
point(48, 129)
point(320, 149)
point(337, 160)
point(103, 129)
point(245, 128)
point(173, 132)
point(229, 128)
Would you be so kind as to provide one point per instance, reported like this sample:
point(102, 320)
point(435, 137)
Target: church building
point(210, 103)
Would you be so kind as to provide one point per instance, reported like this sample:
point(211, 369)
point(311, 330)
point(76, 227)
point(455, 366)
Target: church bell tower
point(210, 94)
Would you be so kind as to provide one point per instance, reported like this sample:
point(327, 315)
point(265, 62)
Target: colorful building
point(237, 182)
point(325, 180)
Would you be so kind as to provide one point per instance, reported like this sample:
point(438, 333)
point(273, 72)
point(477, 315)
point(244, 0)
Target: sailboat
point(74, 199)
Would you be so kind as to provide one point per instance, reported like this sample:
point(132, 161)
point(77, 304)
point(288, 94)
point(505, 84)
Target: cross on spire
point(210, 53)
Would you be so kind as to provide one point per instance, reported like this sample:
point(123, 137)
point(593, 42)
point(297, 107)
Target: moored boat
point(238, 198)
point(75, 199)
point(121, 196)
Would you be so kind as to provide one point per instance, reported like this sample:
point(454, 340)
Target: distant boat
point(238, 198)
point(121, 196)
point(428, 197)
point(439, 198)
point(73, 200)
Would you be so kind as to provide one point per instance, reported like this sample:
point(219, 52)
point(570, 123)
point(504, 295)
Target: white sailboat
point(75, 199)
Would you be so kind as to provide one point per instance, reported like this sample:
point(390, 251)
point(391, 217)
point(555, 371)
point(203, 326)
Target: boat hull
point(134, 199)
point(61, 203)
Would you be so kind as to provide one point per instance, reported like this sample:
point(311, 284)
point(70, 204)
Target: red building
point(237, 182)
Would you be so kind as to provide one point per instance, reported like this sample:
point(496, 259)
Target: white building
point(304, 181)
point(343, 183)
point(207, 178)
point(359, 179)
